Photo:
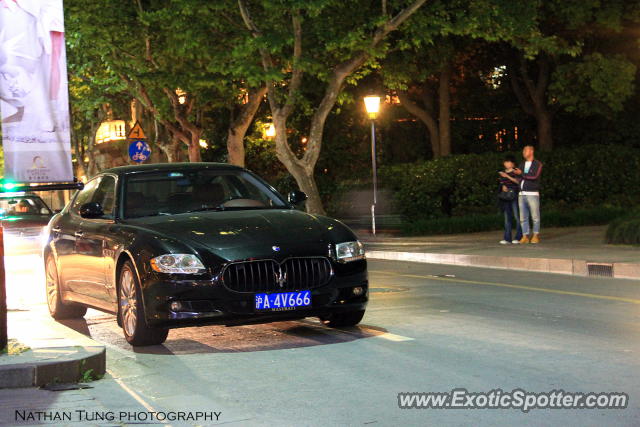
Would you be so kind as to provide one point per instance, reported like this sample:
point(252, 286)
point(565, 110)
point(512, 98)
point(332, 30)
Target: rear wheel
point(57, 308)
point(341, 320)
point(131, 311)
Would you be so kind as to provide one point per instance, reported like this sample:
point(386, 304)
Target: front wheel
point(57, 308)
point(341, 320)
point(131, 311)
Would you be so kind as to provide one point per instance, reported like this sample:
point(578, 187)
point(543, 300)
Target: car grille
point(293, 274)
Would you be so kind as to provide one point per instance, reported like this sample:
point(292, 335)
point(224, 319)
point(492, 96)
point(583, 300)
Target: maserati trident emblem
point(281, 277)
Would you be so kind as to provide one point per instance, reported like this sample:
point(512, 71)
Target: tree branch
point(296, 73)
point(422, 114)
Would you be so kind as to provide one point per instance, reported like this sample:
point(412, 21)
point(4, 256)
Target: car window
point(176, 192)
point(23, 206)
point(105, 194)
point(84, 195)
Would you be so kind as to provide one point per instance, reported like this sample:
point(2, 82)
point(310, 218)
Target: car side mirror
point(297, 197)
point(91, 210)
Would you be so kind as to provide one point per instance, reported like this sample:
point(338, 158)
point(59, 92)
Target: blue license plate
point(283, 301)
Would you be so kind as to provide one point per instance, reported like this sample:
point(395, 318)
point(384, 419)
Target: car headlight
point(349, 251)
point(177, 263)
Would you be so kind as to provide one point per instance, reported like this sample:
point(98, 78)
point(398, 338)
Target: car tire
point(342, 320)
point(131, 311)
point(58, 309)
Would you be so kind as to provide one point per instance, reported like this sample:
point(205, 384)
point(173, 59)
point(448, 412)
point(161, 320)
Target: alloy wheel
point(128, 302)
point(51, 283)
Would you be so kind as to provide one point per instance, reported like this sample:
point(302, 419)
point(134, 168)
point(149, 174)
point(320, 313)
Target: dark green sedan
point(171, 245)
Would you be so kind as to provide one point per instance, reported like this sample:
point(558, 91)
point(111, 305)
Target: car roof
point(163, 167)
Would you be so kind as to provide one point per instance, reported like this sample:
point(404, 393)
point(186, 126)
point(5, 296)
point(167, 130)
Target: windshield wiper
point(208, 208)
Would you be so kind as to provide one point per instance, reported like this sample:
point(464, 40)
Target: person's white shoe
point(504, 242)
point(515, 242)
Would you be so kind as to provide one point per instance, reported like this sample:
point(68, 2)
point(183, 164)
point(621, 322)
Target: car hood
point(235, 235)
point(25, 221)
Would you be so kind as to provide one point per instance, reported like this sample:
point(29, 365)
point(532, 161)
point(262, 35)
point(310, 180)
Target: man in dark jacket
point(529, 196)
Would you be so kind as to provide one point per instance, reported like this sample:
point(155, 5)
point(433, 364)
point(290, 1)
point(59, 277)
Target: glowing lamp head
point(270, 131)
point(372, 105)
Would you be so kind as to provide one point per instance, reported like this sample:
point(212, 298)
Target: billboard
point(34, 98)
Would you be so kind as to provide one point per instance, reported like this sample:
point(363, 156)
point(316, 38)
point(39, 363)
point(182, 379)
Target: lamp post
point(372, 105)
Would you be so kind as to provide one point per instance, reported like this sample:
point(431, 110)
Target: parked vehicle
point(180, 244)
point(24, 218)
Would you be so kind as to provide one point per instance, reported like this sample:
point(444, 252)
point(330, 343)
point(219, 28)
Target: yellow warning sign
point(136, 132)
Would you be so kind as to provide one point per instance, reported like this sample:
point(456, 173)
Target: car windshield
point(23, 206)
point(183, 191)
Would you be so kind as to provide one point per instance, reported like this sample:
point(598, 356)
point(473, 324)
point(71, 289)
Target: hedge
point(462, 185)
point(625, 230)
point(486, 222)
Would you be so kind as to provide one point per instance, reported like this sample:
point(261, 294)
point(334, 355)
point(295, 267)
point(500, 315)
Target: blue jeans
point(510, 211)
point(529, 207)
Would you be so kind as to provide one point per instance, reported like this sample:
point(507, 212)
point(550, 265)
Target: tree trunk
point(544, 128)
point(532, 96)
point(425, 115)
point(194, 149)
point(444, 107)
point(238, 127)
point(171, 150)
point(306, 182)
point(235, 147)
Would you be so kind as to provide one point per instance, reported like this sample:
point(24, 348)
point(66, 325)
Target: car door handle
point(78, 234)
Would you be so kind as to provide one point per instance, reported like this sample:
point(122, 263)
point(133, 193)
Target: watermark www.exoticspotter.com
point(461, 398)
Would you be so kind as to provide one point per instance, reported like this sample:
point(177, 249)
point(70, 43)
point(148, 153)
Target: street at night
point(429, 328)
point(319, 213)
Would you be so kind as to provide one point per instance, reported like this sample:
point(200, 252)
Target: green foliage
point(596, 85)
point(588, 175)
point(487, 222)
point(625, 230)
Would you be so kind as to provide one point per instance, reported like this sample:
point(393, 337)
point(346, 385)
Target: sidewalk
point(576, 251)
point(55, 354)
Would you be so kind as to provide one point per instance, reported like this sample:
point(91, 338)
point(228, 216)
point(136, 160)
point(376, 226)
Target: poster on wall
point(34, 99)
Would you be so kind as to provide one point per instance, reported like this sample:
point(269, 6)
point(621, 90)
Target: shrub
point(459, 185)
point(488, 222)
point(625, 230)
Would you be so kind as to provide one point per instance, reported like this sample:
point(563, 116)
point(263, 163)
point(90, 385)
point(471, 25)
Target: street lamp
point(270, 130)
point(372, 105)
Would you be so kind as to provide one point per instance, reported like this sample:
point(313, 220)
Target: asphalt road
point(429, 328)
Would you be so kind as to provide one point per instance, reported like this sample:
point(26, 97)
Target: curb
point(69, 370)
point(56, 353)
point(575, 267)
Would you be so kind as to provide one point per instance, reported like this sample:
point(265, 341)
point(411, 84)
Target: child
point(508, 199)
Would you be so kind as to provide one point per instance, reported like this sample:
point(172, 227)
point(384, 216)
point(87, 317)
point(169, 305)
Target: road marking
point(132, 393)
point(393, 337)
point(507, 285)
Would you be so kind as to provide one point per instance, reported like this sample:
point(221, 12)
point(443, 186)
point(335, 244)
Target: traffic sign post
point(139, 150)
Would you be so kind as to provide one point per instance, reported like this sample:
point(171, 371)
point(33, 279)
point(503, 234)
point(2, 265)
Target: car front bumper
point(204, 302)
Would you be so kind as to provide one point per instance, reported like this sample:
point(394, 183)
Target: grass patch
point(490, 222)
point(14, 348)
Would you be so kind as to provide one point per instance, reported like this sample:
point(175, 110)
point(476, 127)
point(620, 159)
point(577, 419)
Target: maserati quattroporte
point(173, 245)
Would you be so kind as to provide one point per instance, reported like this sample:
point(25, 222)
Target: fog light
point(176, 306)
point(358, 290)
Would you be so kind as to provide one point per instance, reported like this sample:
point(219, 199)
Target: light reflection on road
point(25, 281)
